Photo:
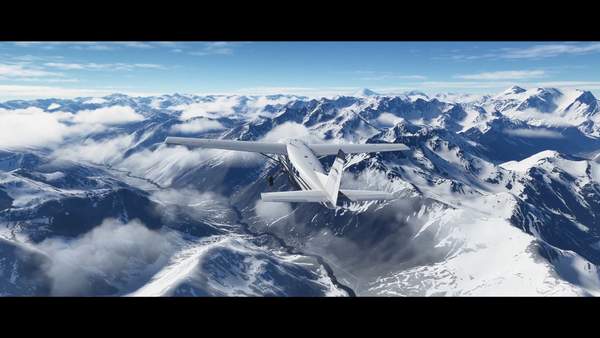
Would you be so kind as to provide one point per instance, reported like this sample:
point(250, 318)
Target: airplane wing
point(332, 149)
point(249, 146)
point(320, 196)
point(366, 195)
point(294, 196)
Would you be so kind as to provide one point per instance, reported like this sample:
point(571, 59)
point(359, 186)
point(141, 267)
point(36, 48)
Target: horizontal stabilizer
point(332, 149)
point(366, 195)
point(249, 146)
point(294, 196)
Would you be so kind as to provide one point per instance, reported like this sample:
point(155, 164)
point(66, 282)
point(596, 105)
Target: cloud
point(222, 106)
point(538, 51)
point(47, 80)
point(570, 84)
point(26, 91)
point(34, 127)
point(271, 211)
point(313, 92)
point(136, 44)
point(20, 71)
point(230, 105)
point(290, 130)
point(214, 48)
point(80, 45)
point(533, 133)
point(108, 115)
point(207, 207)
point(197, 126)
point(31, 127)
point(99, 152)
point(102, 66)
point(165, 163)
point(93, 45)
point(504, 75)
point(389, 119)
point(33, 92)
point(368, 75)
point(113, 251)
point(550, 50)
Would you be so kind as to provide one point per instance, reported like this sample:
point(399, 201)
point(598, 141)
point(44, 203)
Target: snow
point(470, 223)
point(487, 256)
point(550, 159)
point(180, 267)
point(191, 263)
point(566, 109)
point(526, 164)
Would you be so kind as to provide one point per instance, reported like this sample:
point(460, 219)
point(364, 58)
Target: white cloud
point(229, 105)
point(204, 206)
point(304, 91)
point(271, 211)
point(569, 84)
point(20, 71)
point(550, 50)
point(99, 152)
point(290, 130)
point(214, 48)
point(31, 127)
point(527, 52)
point(379, 76)
point(102, 66)
point(165, 163)
point(115, 251)
point(136, 44)
point(504, 75)
point(389, 119)
point(65, 66)
point(221, 106)
point(34, 127)
point(108, 115)
point(81, 45)
point(534, 133)
point(197, 126)
point(47, 79)
point(30, 92)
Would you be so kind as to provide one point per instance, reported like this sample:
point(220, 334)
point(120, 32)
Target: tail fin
point(332, 185)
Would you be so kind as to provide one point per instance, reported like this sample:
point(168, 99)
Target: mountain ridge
point(494, 188)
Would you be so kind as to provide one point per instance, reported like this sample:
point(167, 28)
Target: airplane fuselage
point(304, 167)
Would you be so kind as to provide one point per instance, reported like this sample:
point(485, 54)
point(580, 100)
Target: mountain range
point(498, 195)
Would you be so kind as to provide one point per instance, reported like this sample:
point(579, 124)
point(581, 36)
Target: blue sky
point(69, 69)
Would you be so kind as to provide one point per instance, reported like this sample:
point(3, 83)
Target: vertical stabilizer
point(332, 185)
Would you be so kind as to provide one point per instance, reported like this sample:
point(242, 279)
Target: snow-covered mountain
point(499, 195)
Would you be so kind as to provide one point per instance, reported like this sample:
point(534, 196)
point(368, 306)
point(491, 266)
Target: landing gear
point(270, 180)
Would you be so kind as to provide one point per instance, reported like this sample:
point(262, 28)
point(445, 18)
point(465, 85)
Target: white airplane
point(302, 165)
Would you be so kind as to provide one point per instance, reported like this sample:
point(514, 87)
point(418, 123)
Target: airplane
point(300, 161)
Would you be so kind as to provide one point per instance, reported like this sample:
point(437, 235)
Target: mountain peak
point(365, 92)
point(514, 90)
